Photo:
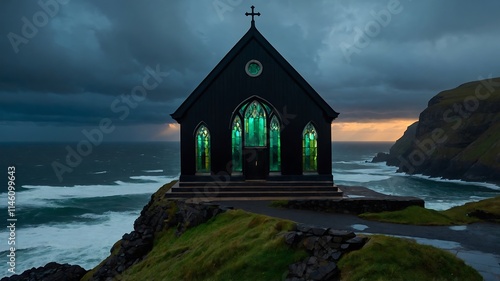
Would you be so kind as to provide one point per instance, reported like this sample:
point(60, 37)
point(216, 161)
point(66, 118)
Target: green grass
point(279, 203)
point(454, 216)
point(235, 245)
point(387, 258)
point(460, 213)
point(159, 196)
point(411, 215)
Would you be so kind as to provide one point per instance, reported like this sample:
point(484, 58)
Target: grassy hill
point(484, 210)
point(234, 246)
point(388, 258)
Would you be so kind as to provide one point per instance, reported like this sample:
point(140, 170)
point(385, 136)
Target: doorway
point(256, 163)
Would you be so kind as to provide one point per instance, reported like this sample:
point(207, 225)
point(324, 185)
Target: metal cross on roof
point(252, 14)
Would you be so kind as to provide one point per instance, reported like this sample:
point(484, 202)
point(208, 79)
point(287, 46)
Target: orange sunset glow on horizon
point(376, 130)
point(388, 130)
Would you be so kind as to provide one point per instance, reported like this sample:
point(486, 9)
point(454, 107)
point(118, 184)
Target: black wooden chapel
point(255, 119)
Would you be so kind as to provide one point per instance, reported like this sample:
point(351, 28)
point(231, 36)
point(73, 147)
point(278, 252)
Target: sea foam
point(40, 195)
point(75, 243)
point(85, 242)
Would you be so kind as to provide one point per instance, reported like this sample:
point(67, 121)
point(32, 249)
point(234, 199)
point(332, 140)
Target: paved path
point(477, 244)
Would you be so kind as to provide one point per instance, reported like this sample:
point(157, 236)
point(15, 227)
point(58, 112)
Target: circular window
point(253, 68)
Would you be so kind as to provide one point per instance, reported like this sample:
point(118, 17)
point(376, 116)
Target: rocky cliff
point(158, 215)
point(456, 137)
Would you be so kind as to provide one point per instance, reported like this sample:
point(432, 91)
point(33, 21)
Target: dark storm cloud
point(85, 55)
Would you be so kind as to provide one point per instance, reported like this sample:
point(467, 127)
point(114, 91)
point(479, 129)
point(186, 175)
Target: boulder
point(381, 157)
point(50, 272)
point(325, 271)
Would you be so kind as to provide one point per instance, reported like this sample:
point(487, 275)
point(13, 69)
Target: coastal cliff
point(456, 137)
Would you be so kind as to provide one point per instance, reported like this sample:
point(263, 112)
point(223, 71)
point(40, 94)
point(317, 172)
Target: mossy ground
point(235, 245)
point(279, 203)
point(388, 258)
point(454, 216)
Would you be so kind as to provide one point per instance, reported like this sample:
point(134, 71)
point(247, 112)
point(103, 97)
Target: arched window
point(202, 149)
point(255, 125)
point(309, 148)
point(236, 133)
point(274, 145)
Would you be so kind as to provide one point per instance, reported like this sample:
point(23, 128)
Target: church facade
point(254, 118)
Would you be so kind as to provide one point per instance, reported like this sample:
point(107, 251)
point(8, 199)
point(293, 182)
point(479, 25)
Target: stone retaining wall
point(325, 246)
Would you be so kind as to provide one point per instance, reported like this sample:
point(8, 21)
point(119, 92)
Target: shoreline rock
point(381, 157)
point(50, 272)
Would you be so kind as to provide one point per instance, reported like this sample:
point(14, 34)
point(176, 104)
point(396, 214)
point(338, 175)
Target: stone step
point(257, 183)
point(263, 194)
point(214, 188)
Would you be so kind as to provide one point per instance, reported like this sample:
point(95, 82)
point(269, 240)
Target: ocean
point(76, 218)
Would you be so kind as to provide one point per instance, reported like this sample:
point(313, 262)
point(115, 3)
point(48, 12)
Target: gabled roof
point(253, 34)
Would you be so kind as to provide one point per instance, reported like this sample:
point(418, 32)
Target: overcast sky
point(66, 65)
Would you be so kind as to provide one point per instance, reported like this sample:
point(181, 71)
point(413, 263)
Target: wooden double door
point(256, 163)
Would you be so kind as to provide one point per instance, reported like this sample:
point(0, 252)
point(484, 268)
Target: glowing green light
point(255, 125)
point(202, 149)
point(309, 149)
point(236, 145)
point(274, 145)
point(254, 68)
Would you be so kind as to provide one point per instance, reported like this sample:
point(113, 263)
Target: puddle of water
point(355, 196)
point(442, 244)
point(458, 227)
point(359, 227)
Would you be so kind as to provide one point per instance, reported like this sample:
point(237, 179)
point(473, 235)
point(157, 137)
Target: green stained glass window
point(268, 109)
point(202, 149)
point(309, 149)
point(242, 109)
point(255, 125)
point(236, 136)
point(274, 145)
point(253, 68)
